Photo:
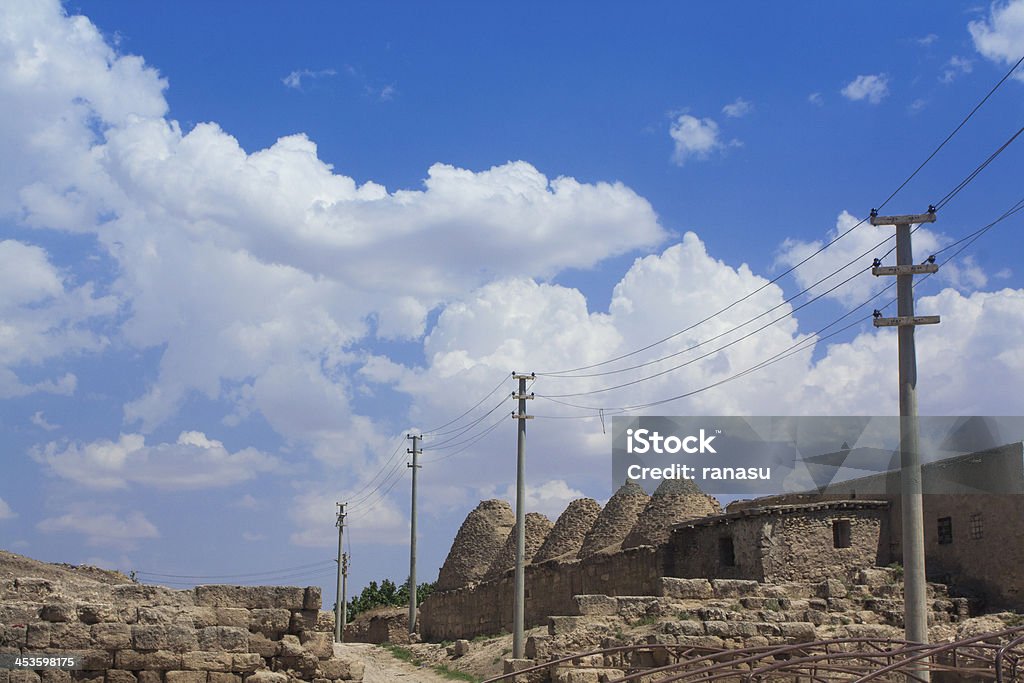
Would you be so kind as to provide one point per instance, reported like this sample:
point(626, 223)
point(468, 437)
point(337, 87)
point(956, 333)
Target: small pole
point(519, 607)
point(344, 595)
point(339, 607)
point(415, 451)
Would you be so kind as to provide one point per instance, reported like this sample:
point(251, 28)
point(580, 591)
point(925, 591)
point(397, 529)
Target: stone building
point(537, 529)
point(615, 521)
point(672, 501)
point(780, 543)
point(566, 538)
point(477, 544)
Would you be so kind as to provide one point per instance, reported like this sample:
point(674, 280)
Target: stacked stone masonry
point(615, 521)
point(148, 634)
point(566, 537)
point(537, 529)
point(477, 544)
point(673, 501)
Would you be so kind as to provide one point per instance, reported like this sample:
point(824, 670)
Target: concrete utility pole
point(344, 595)
point(519, 608)
point(339, 607)
point(914, 587)
point(412, 541)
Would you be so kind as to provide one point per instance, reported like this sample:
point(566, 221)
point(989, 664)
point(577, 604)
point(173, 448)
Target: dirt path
point(381, 667)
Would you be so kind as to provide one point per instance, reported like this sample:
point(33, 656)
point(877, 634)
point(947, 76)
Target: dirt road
point(381, 667)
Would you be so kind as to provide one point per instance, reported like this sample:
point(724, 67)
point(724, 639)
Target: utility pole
point(519, 608)
point(914, 587)
point(412, 540)
point(339, 608)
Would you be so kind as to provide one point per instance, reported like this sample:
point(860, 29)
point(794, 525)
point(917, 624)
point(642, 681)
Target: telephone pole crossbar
point(914, 586)
point(519, 606)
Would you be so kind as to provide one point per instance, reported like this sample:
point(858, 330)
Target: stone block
point(305, 665)
point(206, 661)
point(684, 627)
point(875, 576)
point(685, 589)
point(218, 677)
point(342, 668)
point(70, 636)
point(291, 646)
point(231, 616)
point(312, 598)
point(121, 676)
point(735, 588)
point(164, 614)
point(270, 622)
point(128, 614)
point(798, 631)
point(266, 677)
point(161, 660)
point(595, 604)
point(731, 629)
point(23, 676)
point(567, 675)
point(246, 662)
point(319, 643)
point(19, 613)
point(223, 638)
point(96, 660)
point(13, 636)
point(303, 620)
point(58, 612)
point(150, 677)
point(462, 646)
point(95, 614)
point(558, 626)
point(325, 621)
point(186, 677)
point(111, 636)
point(54, 676)
point(173, 637)
point(87, 676)
point(538, 647)
point(251, 597)
point(831, 588)
point(37, 635)
point(30, 590)
point(266, 647)
point(143, 594)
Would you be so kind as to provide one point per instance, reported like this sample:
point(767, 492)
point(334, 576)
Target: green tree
point(386, 594)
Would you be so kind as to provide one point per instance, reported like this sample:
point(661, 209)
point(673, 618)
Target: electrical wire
point(436, 431)
point(974, 174)
point(233, 576)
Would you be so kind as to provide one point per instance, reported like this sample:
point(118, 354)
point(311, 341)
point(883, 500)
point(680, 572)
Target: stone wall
point(147, 634)
point(486, 608)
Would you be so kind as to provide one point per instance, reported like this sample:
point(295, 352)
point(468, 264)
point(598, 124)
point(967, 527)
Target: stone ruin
point(566, 538)
point(674, 501)
point(477, 544)
point(537, 529)
point(134, 633)
point(615, 521)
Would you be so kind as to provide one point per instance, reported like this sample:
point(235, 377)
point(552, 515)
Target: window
point(726, 553)
point(841, 533)
point(945, 530)
point(977, 530)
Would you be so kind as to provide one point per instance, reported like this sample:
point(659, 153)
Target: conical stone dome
point(566, 537)
point(476, 546)
point(537, 529)
point(674, 501)
point(616, 519)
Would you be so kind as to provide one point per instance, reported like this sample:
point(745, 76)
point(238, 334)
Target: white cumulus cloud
point(5, 510)
point(872, 87)
point(192, 462)
point(1000, 36)
point(694, 138)
point(101, 528)
point(738, 108)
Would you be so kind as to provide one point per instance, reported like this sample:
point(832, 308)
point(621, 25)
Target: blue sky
point(244, 250)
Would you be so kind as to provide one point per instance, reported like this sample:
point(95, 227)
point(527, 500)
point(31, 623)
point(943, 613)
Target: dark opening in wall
point(945, 530)
point(726, 553)
point(841, 533)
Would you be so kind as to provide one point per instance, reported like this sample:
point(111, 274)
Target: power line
point(797, 347)
point(436, 431)
point(472, 442)
point(448, 442)
point(955, 131)
point(974, 174)
point(234, 576)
